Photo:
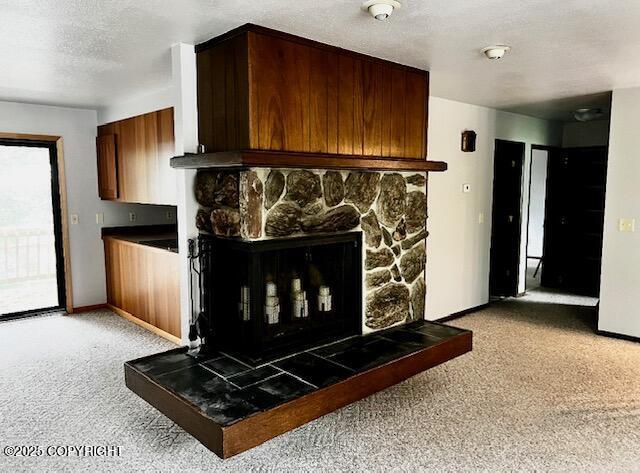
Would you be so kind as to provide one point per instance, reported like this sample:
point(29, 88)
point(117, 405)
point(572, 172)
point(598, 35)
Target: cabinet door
point(107, 167)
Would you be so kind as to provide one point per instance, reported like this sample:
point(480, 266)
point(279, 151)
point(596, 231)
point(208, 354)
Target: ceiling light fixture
point(496, 52)
point(380, 9)
point(588, 114)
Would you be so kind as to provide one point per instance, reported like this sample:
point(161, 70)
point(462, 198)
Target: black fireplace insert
point(268, 299)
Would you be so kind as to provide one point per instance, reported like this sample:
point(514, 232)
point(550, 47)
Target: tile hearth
point(216, 397)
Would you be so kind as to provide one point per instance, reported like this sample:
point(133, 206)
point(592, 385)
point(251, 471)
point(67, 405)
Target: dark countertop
point(164, 237)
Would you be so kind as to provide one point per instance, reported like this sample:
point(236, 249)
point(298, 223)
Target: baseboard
point(462, 313)
point(620, 336)
point(145, 325)
point(87, 308)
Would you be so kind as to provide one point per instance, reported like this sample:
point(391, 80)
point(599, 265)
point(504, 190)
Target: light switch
point(627, 225)
point(481, 218)
point(132, 216)
point(100, 218)
point(466, 188)
point(75, 219)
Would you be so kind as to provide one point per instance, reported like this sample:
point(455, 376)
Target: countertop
point(162, 237)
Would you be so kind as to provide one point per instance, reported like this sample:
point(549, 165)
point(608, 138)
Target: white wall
point(78, 129)
point(458, 245)
point(577, 134)
point(151, 102)
point(538, 195)
point(620, 280)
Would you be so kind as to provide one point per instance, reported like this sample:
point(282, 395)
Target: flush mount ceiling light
point(496, 52)
point(380, 9)
point(588, 114)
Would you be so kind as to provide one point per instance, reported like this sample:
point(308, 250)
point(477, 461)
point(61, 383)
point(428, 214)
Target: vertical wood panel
point(318, 101)
point(281, 73)
point(332, 102)
point(387, 98)
point(218, 117)
point(345, 104)
point(373, 116)
point(358, 109)
point(107, 162)
point(151, 158)
point(144, 282)
point(205, 100)
point(398, 111)
point(415, 128)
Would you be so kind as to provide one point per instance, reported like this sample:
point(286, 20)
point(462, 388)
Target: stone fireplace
point(256, 204)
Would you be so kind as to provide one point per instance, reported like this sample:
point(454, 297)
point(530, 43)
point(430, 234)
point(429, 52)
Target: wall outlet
point(627, 225)
point(100, 218)
point(75, 219)
point(132, 216)
point(169, 215)
point(466, 188)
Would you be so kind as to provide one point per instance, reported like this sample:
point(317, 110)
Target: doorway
point(536, 221)
point(32, 274)
point(506, 218)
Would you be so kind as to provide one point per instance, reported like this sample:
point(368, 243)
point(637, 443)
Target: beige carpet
point(540, 391)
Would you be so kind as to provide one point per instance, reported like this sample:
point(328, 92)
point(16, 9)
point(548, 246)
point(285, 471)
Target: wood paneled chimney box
point(271, 99)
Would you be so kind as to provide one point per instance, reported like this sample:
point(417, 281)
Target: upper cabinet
point(260, 89)
point(133, 159)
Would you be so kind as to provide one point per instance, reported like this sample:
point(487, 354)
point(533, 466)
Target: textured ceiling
point(91, 53)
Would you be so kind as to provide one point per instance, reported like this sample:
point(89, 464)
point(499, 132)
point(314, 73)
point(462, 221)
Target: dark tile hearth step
point(231, 407)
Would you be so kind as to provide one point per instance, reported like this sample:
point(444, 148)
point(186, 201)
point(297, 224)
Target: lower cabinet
point(143, 285)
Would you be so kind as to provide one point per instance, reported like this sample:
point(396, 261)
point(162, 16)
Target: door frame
point(520, 212)
point(550, 150)
point(55, 142)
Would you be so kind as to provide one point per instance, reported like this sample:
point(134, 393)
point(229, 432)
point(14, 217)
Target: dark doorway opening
point(32, 278)
point(506, 218)
point(574, 220)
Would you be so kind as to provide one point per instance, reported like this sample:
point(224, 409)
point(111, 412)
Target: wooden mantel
point(253, 158)
point(271, 99)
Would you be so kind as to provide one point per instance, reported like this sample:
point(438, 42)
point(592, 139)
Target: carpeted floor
point(540, 391)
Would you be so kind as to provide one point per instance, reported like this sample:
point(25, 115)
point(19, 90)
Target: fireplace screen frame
point(228, 264)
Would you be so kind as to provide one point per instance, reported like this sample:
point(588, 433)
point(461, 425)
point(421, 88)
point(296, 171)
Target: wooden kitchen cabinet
point(142, 148)
point(143, 285)
point(260, 89)
point(107, 167)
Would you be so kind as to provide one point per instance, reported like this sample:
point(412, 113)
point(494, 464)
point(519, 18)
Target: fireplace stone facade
point(389, 207)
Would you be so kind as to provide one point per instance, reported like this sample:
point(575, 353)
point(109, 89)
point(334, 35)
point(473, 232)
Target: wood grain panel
point(346, 109)
point(415, 114)
point(267, 90)
point(281, 73)
point(151, 164)
point(332, 103)
point(107, 167)
point(127, 157)
point(373, 112)
point(358, 108)
point(205, 100)
point(397, 118)
point(166, 183)
point(318, 101)
point(143, 281)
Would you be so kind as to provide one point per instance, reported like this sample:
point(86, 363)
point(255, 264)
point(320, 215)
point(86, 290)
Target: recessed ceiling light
point(496, 52)
point(380, 9)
